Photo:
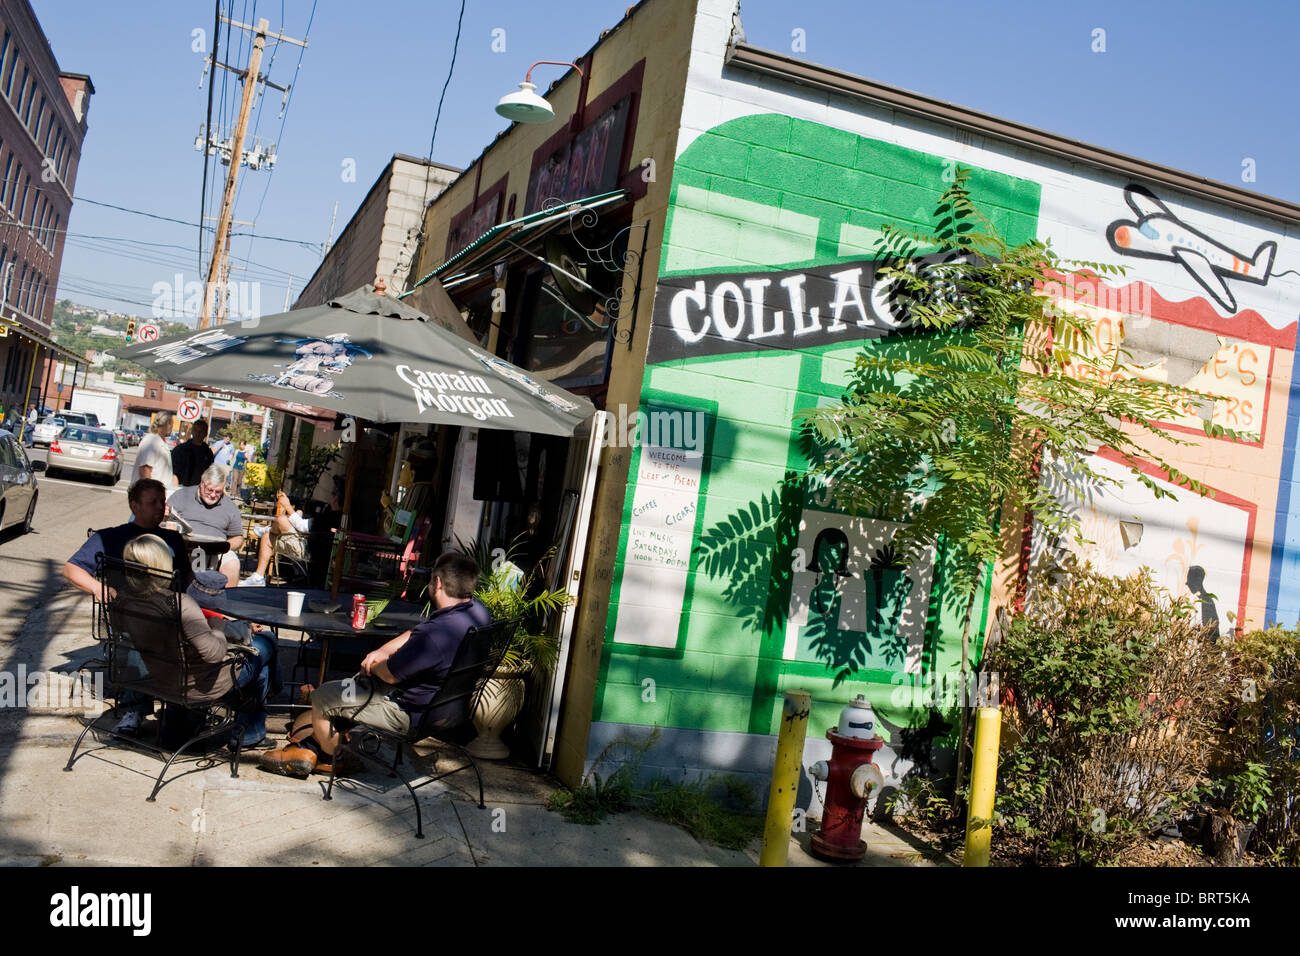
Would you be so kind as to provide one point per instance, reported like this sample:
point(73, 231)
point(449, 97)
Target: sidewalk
point(97, 815)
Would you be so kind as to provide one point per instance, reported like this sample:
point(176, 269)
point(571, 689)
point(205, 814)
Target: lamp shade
point(525, 106)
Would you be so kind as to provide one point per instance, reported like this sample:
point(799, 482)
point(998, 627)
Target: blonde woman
point(208, 676)
point(153, 459)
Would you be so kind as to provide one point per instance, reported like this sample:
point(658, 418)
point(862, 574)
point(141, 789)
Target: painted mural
point(767, 291)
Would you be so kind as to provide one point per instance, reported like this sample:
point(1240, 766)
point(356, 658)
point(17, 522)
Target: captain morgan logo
point(460, 391)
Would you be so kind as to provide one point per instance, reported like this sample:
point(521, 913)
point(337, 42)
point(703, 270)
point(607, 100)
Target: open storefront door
point(541, 715)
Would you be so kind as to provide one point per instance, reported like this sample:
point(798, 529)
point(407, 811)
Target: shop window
point(566, 320)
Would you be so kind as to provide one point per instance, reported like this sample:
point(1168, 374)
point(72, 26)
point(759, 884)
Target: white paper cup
point(294, 601)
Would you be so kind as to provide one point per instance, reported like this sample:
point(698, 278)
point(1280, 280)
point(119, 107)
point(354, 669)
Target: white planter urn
point(502, 699)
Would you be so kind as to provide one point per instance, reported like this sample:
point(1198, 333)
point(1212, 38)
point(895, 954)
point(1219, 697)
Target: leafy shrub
point(1115, 698)
point(1261, 750)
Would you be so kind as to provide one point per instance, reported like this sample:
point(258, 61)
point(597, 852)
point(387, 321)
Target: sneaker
point(254, 580)
point(129, 724)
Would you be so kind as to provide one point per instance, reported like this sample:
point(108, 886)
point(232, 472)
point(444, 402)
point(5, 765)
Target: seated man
point(208, 675)
point(207, 509)
point(147, 498)
point(405, 674)
point(285, 535)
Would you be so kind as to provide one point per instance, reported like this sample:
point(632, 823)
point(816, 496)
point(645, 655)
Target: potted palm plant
point(507, 592)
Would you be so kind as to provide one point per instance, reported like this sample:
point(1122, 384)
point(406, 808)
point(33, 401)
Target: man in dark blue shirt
point(402, 677)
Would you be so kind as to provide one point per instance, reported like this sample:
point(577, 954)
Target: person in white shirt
point(153, 459)
point(285, 534)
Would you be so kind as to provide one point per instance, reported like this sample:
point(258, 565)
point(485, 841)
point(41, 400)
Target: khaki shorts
point(342, 698)
point(291, 545)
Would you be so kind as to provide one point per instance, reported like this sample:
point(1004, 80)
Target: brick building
point(42, 126)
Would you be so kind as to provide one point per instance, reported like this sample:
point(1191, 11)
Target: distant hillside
point(79, 327)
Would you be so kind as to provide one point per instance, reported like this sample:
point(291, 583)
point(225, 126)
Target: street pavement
point(97, 814)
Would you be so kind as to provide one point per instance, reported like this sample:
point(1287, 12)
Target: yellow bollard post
point(983, 782)
point(785, 778)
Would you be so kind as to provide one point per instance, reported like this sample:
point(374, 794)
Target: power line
point(455, 48)
point(207, 123)
point(139, 212)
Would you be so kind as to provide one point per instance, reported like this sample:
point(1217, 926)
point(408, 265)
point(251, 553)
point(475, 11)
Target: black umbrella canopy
point(369, 356)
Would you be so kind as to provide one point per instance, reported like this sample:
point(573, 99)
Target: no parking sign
point(188, 410)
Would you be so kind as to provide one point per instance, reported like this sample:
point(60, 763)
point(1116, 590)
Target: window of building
point(27, 193)
point(8, 78)
point(7, 185)
point(22, 92)
point(5, 51)
point(31, 100)
point(38, 110)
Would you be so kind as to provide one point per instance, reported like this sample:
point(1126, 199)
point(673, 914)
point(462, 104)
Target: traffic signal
point(130, 329)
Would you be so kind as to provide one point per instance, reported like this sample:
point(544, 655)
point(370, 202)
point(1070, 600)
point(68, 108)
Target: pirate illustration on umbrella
point(316, 362)
point(508, 371)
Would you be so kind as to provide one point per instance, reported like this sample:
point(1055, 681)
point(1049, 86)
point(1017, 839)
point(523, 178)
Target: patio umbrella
point(368, 356)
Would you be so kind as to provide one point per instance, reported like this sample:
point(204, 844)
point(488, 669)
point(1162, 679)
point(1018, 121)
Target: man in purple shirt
point(405, 674)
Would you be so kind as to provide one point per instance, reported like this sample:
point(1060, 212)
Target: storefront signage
point(734, 312)
point(478, 222)
point(660, 534)
point(585, 165)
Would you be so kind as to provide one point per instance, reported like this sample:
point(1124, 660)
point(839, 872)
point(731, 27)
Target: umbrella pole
point(345, 521)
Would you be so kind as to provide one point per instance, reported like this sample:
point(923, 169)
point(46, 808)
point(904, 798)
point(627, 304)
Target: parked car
point(90, 419)
point(125, 439)
point(91, 450)
point(47, 430)
point(17, 484)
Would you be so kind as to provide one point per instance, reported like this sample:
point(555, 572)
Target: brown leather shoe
point(291, 761)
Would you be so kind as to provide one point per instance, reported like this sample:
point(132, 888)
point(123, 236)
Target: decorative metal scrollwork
point(618, 314)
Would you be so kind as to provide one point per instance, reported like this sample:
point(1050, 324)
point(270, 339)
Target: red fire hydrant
point(850, 776)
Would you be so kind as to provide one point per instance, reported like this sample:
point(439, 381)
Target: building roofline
point(386, 174)
point(79, 76)
point(605, 34)
point(420, 160)
point(755, 59)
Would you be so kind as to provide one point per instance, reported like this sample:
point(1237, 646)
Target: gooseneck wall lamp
point(524, 105)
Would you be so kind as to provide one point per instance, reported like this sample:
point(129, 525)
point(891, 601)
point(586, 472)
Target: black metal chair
point(447, 719)
point(138, 623)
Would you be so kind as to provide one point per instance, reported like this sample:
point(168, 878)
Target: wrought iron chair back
point(139, 623)
point(448, 717)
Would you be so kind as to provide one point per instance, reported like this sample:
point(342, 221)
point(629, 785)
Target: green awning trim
point(500, 241)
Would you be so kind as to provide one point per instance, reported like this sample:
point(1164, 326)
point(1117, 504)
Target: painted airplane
point(1159, 234)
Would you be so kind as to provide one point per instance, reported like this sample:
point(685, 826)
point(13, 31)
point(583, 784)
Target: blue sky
point(1193, 85)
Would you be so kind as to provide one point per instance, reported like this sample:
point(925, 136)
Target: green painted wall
point(766, 196)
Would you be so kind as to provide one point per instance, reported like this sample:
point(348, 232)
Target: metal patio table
point(267, 606)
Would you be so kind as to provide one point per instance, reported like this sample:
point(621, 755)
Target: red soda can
point(359, 611)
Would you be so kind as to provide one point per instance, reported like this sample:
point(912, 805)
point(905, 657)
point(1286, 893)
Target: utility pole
point(288, 287)
point(251, 78)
